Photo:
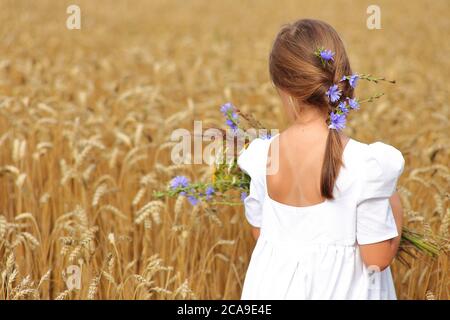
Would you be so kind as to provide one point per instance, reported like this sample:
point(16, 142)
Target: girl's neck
point(309, 118)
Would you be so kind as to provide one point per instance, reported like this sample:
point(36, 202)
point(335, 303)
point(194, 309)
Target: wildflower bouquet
point(226, 179)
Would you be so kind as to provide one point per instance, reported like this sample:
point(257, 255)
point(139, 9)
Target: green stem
point(371, 78)
point(372, 98)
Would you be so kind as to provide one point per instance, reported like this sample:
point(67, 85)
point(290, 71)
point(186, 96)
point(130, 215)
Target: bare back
point(300, 155)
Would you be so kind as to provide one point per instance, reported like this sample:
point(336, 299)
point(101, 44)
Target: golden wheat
point(86, 118)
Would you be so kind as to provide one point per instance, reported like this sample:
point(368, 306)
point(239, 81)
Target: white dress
point(312, 252)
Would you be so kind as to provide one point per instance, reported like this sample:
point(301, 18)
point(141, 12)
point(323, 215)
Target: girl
point(322, 205)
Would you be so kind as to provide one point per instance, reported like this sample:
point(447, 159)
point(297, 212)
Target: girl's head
point(299, 74)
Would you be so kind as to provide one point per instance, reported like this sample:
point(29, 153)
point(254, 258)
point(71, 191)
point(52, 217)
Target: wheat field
point(85, 123)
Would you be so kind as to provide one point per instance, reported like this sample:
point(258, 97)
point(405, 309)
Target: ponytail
point(331, 164)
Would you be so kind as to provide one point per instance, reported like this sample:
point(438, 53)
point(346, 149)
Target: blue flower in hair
point(352, 80)
point(324, 55)
point(327, 55)
point(337, 121)
point(333, 93)
point(353, 103)
point(343, 107)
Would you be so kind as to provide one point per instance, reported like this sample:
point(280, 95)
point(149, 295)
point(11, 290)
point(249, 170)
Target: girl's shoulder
point(378, 155)
point(252, 159)
point(378, 166)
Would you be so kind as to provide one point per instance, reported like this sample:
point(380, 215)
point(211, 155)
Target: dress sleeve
point(382, 166)
point(252, 162)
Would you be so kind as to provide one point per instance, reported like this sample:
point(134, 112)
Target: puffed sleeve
point(252, 162)
point(381, 167)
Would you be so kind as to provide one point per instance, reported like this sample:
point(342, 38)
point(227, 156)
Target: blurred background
point(85, 123)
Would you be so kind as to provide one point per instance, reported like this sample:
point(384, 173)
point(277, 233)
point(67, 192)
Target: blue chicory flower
point(333, 93)
point(193, 200)
point(337, 121)
point(231, 116)
point(343, 107)
point(231, 124)
point(209, 192)
point(326, 55)
point(353, 103)
point(353, 80)
point(179, 181)
point(226, 108)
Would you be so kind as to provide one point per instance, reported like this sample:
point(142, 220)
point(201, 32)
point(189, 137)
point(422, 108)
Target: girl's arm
point(381, 253)
point(255, 232)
